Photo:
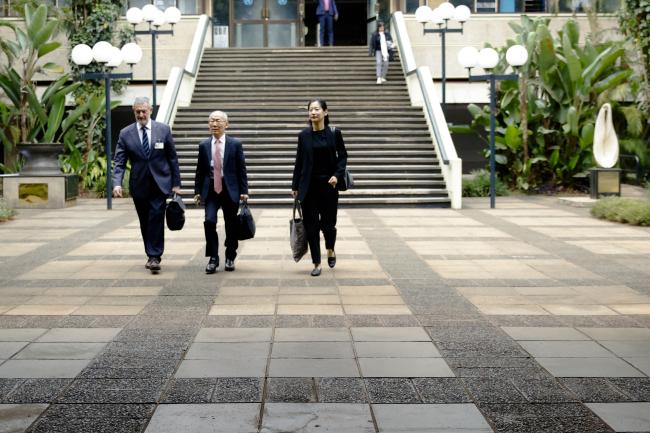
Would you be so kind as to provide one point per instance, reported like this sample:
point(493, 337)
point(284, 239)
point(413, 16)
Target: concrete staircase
point(265, 93)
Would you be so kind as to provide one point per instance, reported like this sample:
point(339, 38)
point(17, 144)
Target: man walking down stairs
point(265, 93)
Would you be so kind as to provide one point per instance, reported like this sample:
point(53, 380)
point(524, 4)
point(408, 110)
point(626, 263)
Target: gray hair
point(220, 113)
point(141, 100)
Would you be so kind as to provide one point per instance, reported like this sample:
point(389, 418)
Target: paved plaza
point(532, 317)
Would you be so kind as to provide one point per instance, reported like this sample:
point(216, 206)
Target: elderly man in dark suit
point(221, 181)
point(154, 175)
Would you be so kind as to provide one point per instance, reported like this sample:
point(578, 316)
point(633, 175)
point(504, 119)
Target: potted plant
point(40, 122)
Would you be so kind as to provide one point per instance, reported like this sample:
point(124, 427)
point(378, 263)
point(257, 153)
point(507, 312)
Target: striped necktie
point(145, 142)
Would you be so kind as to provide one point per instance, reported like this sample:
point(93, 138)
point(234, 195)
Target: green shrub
point(6, 213)
point(478, 185)
point(623, 210)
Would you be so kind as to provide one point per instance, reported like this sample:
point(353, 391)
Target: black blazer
point(375, 44)
point(162, 162)
point(305, 158)
point(234, 169)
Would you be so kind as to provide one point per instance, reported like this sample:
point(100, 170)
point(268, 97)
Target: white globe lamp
point(172, 15)
point(468, 57)
point(134, 16)
point(446, 10)
point(462, 13)
point(82, 55)
point(423, 14)
point(116, 58)
point(488, 58)
point(149, 12)
point(132, 53)
point(102, 52)
point(516, 56)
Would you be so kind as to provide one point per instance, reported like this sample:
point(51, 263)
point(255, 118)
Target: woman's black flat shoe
point(331, 261)
point(315, 272)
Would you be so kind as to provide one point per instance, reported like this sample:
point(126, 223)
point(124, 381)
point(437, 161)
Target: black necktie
point(145, 142)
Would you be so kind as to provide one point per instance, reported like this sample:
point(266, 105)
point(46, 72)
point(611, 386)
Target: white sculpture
point(605, 140)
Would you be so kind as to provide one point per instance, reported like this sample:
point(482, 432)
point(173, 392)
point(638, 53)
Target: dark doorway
point(350, 29)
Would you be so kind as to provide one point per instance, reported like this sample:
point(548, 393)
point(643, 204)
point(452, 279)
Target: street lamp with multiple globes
point(156, 18)
point(488, 59)
point(441, 16)
point(109, 57)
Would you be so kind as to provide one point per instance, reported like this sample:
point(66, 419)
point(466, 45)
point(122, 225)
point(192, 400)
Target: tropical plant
point(477, 184)
point(545, 121)
point(88, 22)
point(28, 118)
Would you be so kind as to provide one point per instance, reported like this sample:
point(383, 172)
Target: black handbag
point(346, 182)
point(175, 213)
point(297, 233)
point(245, 223)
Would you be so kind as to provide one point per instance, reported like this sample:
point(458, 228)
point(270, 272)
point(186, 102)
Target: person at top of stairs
point(381, 47)
point(220, 181)
point(321, 160)
point(327, 13)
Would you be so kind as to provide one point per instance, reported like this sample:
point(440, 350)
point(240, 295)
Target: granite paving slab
point(320, 417)
point(17, 417)
point(205, 418)
point(624, 417)
point(432, 418)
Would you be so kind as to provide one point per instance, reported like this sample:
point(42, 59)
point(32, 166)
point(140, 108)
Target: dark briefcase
point(175, 213)
point(245, 223)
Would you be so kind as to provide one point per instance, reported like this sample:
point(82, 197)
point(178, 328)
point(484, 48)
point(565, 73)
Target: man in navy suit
point(221, 181)
point(154, 175)
point(327, 13)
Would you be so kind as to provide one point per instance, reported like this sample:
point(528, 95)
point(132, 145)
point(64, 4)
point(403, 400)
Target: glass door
point(266, 23)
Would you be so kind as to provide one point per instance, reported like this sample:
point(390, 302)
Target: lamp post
point(487, 59)
point(109, 57)
point(156, 18)
point(441, 17)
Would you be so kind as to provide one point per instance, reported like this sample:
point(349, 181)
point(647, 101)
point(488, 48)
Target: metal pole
point(153, 71)
point(444, 74)
point(109, 158)
point(493, 113)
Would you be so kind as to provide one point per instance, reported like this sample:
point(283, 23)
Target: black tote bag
point(245, 223)
point(297, 234)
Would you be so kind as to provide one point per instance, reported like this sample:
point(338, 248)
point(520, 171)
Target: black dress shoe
point(331, 261)
point(212, 266)
point(315, 272)
point(155, 265)
point(230, 265)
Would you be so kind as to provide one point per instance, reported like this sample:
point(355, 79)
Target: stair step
point(265, 93)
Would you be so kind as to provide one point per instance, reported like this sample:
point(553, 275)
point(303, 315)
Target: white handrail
point(422, 94)
point(183, 80)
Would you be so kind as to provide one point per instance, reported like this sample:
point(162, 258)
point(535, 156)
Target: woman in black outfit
point(320, 164)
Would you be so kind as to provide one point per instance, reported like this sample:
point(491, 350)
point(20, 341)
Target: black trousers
point(319, 209)
point(151, 213)
point(229, 208)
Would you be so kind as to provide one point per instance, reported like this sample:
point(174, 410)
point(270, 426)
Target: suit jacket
point(375, 44)
point(320, 9)
point(162, 164)
point(234, 169)
point(305, 158)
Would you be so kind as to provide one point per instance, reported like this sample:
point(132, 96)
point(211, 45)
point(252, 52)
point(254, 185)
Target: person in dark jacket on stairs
point(321, 160)
point(381, 47)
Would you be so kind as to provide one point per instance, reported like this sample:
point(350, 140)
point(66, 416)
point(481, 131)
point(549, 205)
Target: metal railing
point(183, 80)
point(423, 94)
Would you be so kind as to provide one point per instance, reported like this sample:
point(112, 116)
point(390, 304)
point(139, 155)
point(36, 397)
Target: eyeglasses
point(217, 121)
